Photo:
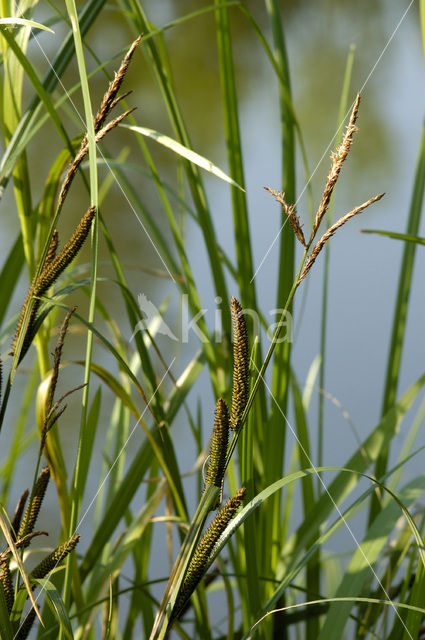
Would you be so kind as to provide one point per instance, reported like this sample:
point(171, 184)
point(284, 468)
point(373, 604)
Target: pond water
point(388, 68)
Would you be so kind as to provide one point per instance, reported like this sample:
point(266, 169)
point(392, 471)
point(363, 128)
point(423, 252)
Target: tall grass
point(257, 567)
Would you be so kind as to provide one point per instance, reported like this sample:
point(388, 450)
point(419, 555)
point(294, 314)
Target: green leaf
point(24, 130)
point(117, 507)
point(10, 275)
point(114, 385)
point(23, 22)
point(57, 606)
point(17, 557)
point(397, 236)
point(111, 565)
point(401, 306)
point(359, 568)
point(343, 484)
point(183, 151)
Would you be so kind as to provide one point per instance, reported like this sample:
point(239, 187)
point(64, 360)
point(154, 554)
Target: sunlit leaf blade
point(183, 151)
point(25, 23)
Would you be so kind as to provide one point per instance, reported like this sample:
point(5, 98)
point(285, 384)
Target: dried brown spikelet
point(33, 508)
point(338, 158)
point(25, 541)
point(321, 243)
point(240, 363)
point(16, 522)
point(220, 439)
point(109, 99)
point(289, 211)
point(199, 562)
point(53, 559)
point(82, 152)
point(6, 584)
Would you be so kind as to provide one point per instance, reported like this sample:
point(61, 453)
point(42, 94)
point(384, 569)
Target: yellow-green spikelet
point(53, 559)
point(53, 267)
point(240, 363)
point(33, 508)
point(6, 584)
point(58, 264)
point(197, 565)
point(220, 439)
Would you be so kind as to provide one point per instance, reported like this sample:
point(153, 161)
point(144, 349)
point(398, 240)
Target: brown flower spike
point(52, 270)
point(199, 562)
point(337, 161)
point(220, 439)
point(33, 508)
point(338, 158)
point(109, 101)
point(53, 559)
point(240, 364)
point(321, 243)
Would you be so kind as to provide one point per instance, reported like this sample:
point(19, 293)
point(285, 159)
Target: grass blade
point(24, 22)
point(183, 151)
point(401, 307)
point(396, 236)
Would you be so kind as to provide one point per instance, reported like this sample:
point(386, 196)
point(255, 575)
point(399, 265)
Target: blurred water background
point(388, 67)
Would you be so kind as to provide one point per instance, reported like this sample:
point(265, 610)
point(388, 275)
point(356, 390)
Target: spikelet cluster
point(337, 161)
point(25, 526)
point(109, 101)
point(57, 358)
point(53, 559)
point(321, 243)
point(26, 626)
point(240, 363)
point(6, 584)
point(199, 562)
point(51, 252)
point(219, 442)
point(54, 264)
point(59, 263)
point(16, 522)
point(33, 508)
point(110, 98)
point(51, 271)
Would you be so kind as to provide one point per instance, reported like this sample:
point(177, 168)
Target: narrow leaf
point(184, 152)
point(23, 22)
